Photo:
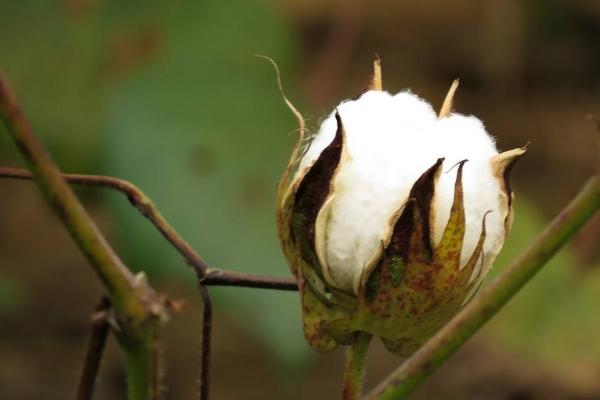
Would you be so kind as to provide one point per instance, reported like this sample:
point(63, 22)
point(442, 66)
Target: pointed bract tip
point(505, 160)
point(341, 130)
point(459, 164)
point(484, 217)
point(501, 167)
point(449, 100)
point(377, 78)
point(338, 118)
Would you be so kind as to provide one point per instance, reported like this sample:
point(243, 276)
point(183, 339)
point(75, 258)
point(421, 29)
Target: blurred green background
point(169, 95)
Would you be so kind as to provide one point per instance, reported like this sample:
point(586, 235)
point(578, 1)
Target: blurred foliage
point(170, 96)
point(53, 60)
point(204, 132)
point(11, 296)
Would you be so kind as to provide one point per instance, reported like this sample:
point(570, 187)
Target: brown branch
point(100, 329)
point(206, 342)
point(218, 277)
point(206, 274)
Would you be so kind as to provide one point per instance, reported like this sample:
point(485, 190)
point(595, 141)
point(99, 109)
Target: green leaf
point(54, 63)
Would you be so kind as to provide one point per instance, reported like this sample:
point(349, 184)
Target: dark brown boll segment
point(314, 188)
point(422, 192)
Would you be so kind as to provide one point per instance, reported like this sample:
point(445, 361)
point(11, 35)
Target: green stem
point(476, 313)
point(354, 370)
point(141, 364)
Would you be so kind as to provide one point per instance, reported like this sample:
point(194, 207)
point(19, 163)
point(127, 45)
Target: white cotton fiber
point(391, 141)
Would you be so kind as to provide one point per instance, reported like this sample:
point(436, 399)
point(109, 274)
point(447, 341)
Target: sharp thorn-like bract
point(446, 108)
point(377, 78)
point(450, 246)
point(506, 160)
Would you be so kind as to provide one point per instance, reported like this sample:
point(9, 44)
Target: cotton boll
point(391, 141)
point(375, 181)
point(357, 244)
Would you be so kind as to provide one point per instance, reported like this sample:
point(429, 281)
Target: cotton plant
point(390, 216)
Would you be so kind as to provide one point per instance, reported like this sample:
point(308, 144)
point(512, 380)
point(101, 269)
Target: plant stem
point(207, 274)
point(354, 370)
point(141, 364)
point(476, 313)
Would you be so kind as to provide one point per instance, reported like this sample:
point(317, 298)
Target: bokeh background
point(169, 95)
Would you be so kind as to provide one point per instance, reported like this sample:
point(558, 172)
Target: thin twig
point(206, 342)
point(476, 313)
point(100, 329)
point(207, 274)
point(218, 277)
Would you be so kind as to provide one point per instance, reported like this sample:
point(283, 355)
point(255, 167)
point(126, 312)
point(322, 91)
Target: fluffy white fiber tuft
point(392, 140)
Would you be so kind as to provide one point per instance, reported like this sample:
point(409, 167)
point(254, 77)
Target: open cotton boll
point(391, 141)
point(382, 224)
